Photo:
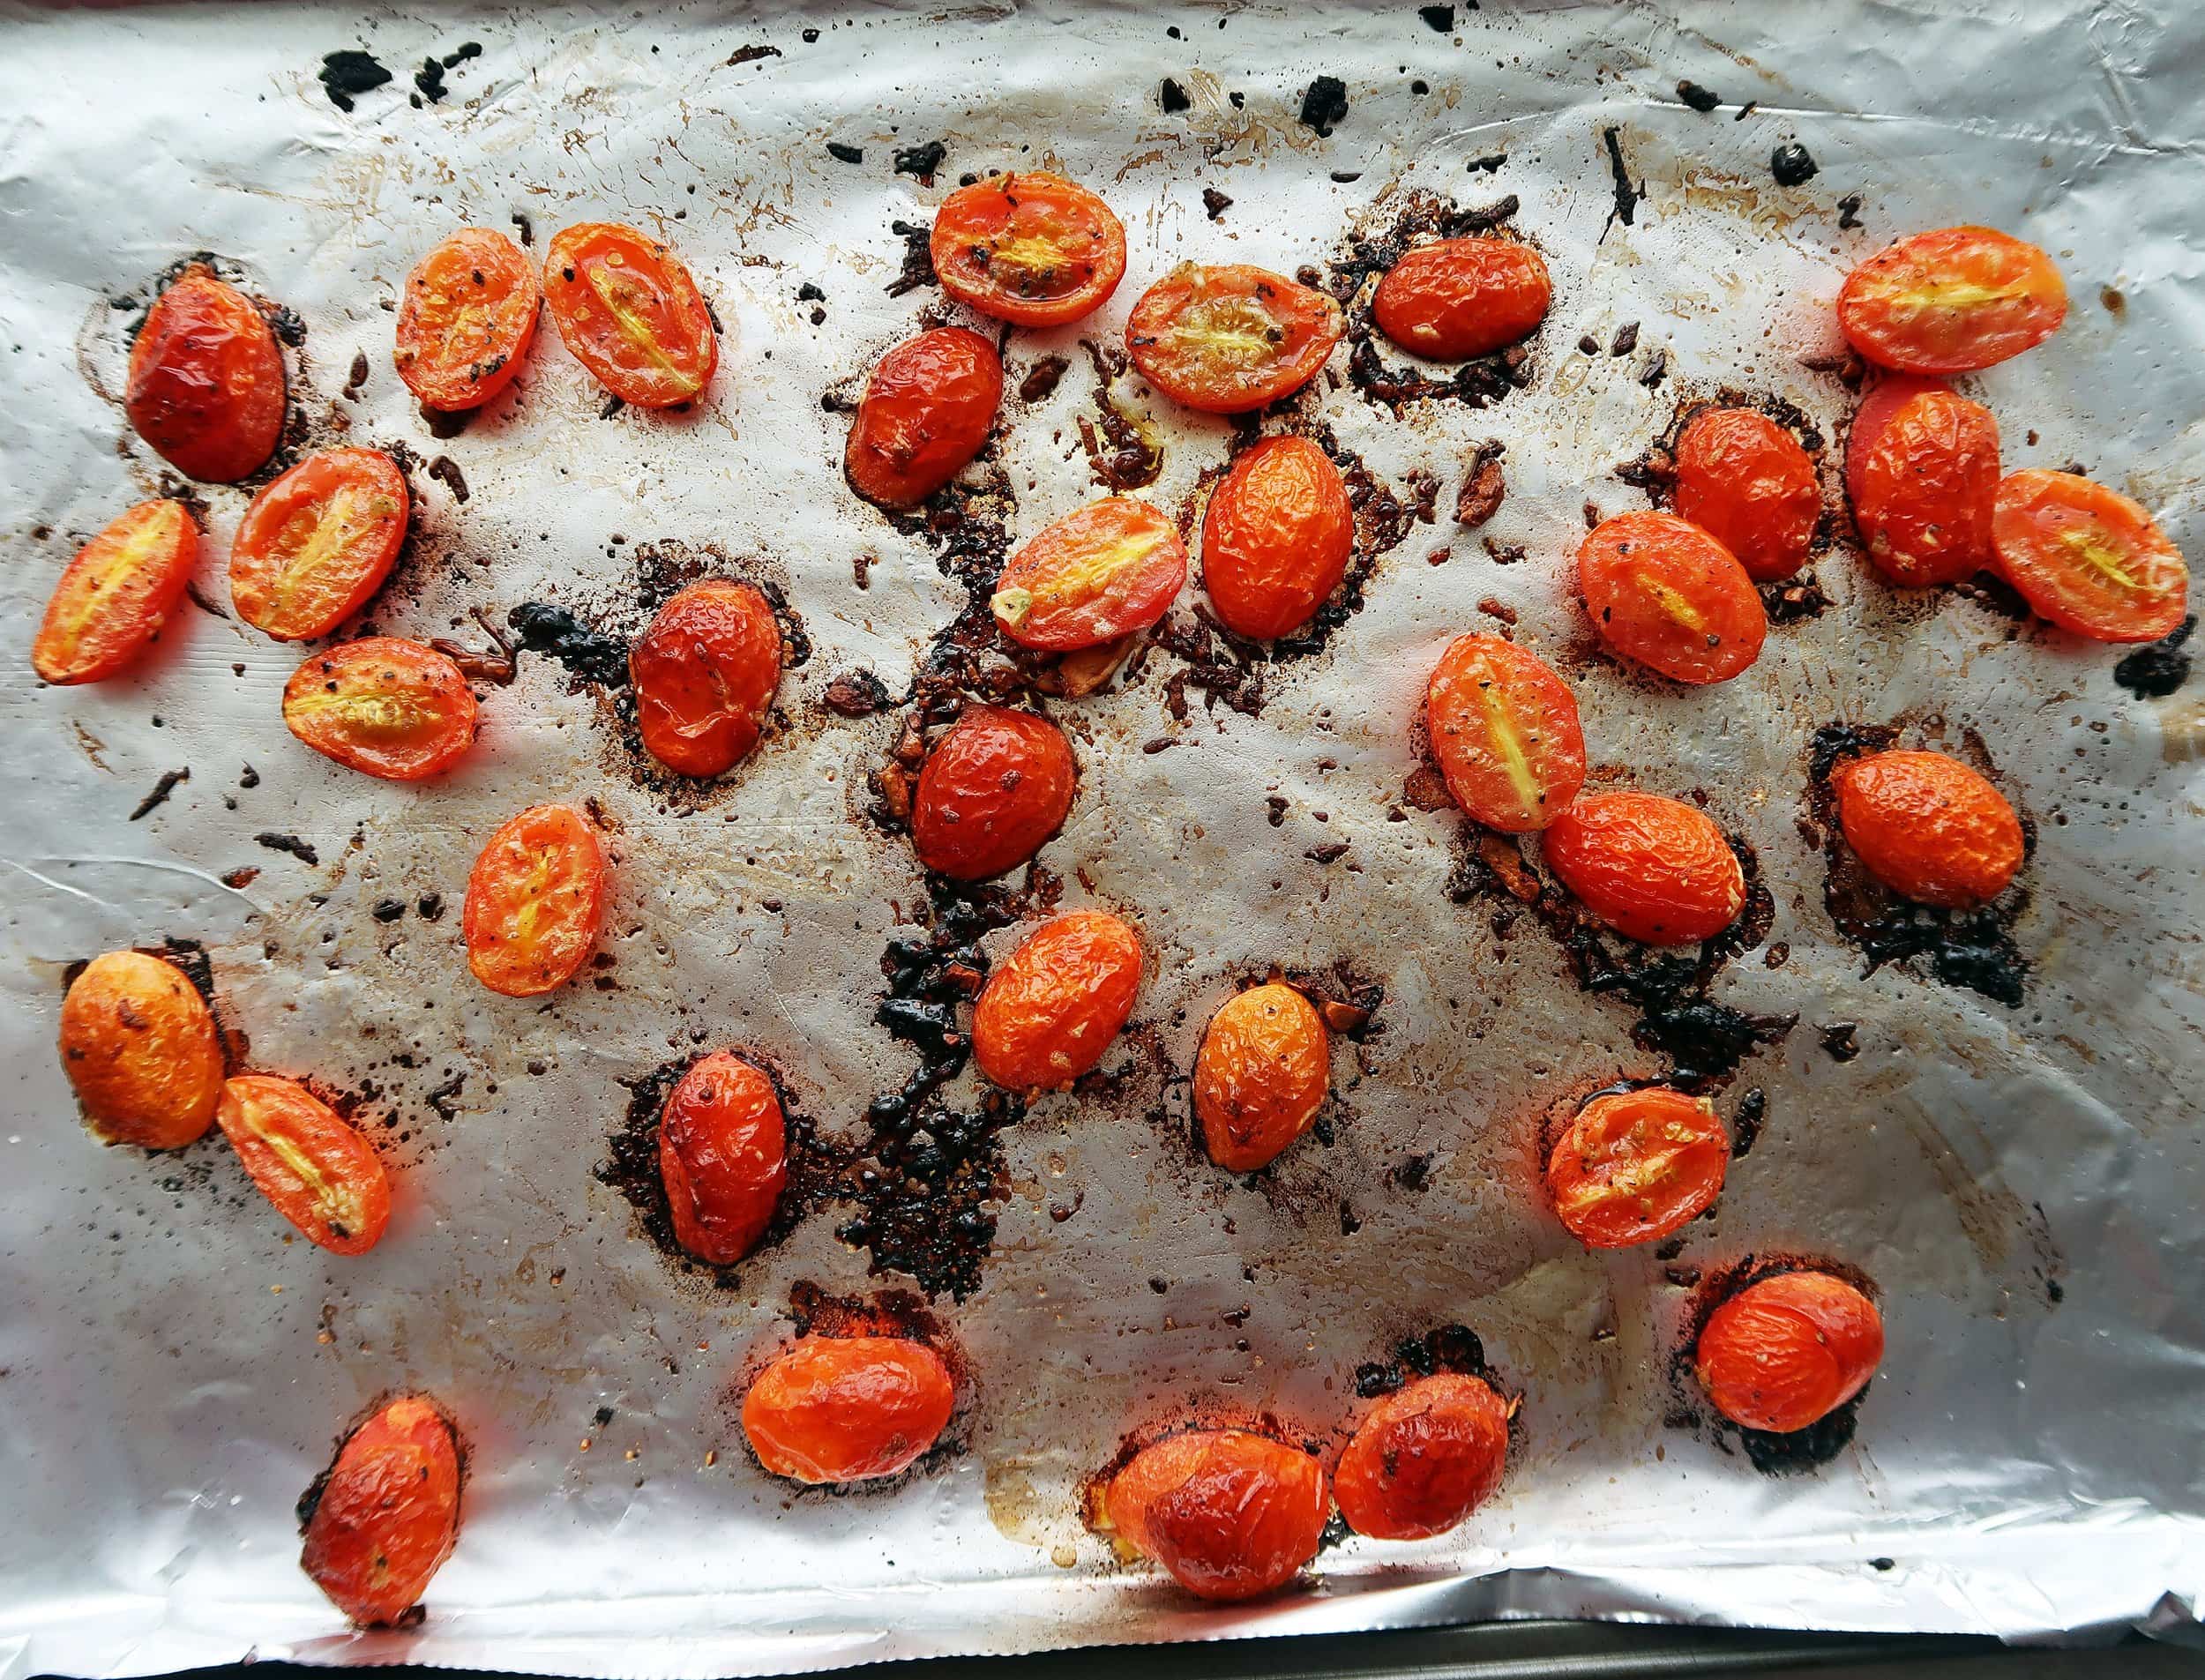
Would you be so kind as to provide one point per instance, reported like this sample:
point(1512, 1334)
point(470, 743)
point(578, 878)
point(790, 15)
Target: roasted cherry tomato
point(1922, 469)
point(320, 1173)
point(927, 412)
point(1789, 1350)
point(1665, 593)
point(1033, 249)
point(387, 1515)
point(382, 705)
point(1634, 1165)
point(113, 597)
point(535, 901)
point(466, 319)
point(1653, 869)
point(1229, 1513)
point(1225, 340)
point(1462, 297)
point(632, 315)
point(1260, 1076)
point(1046, 1016)
point(206, 382)
point(1426, 1456)
point(1745, 482)
point(1276, 537)
point(723, 1156)
point(994, 790)
point(848, 1409)
point(1113, 567)
point(1504, 728)
point(1951, 301)
point(139, 1044)
point(1928, 828)
point(317, 542)
point(2088, 558)
point(704, 673)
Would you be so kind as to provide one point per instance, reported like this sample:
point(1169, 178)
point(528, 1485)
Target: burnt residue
point(429, 81)
point(1172, 97)
point(546, 627)
point(1793, 165)
point(158, 795)
point(751, 55)
point(1121, 454)
point(1840, 1040)
point(1793, 600)
point(348, 74)
point(1848, 211)
point(857, 694)
point(2154, 672)
point(1746, 1121)
point(1629, 194)
point(1702, 99)
point(1215, 204)
point(498, 666)
point(924, 161)
point(1451, 1349)
point(1324, 103)
point(290, 843)
point(1040, 382)
point(1439, 18)
point(446, 472)
point(918, 258)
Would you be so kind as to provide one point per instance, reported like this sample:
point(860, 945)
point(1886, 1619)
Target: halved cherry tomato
point(1229, 1514)
point(205, 381)
point(1928, 828)
point(1653, 869)
point(387, 1515)
point(1634, 1165)
point(1504, 728)
point(723, 1156)
point(1047, 1015)
point(997, 787)
point(704, 672)
point(1260, 1076)
point(1788, 1351)
point(535, 902)
point(1227, 339)
point(1662, 592)
point(139, 1044)
point(1276, 538)
point(2088, 558)
point(308, 1160)
point(1033, 249)
point(630, 313)
point(1922, 469)
point(1113, 567)
point(317, 542)
point(1746, 480)
point(927, 412)
point(113, 597)
point(384, 706)
point(466, 317)
point(1951, 301)
point(848, 1409)
point(1460, 298)
point(1426, 1456)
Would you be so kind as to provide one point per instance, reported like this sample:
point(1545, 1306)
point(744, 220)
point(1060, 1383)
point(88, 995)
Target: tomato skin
point(1922, 469)
point(1504, 727)
point(1928, 828)
point(1226, 339)
point(317, 541)
point(139, 1044)
point(1050, 1012)
point(1460, 298)
point(1102, 571)
point(1663, 592)
point(1275, 537)
point(1953, 300)
point(1424, 1458)
point(388, 1514)
point(926, 412)
point(723, 1156)
point(1636, 1166)
point(1260, 1076)
point(630, 311)
point(1655, 869)
point(1786, 1352)
point(1229, 1514)
point(206, 382)
point(848, 1409)
point(111, 601)
point(2089, 559)
point(1033, 249)
point(309, 1161)
point(382, 706)
point(704, 672)
point(1746, 480)
point(995, 788)
point(467, 316)
point(535, 902)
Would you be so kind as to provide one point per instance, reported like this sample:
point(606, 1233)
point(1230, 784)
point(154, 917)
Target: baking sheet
point(2022, 1184)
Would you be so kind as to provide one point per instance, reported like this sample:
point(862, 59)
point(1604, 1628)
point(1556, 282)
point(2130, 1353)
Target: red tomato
point(1461, 298)
point(1788, 1351)
point(1928, 828)
point(113, 597)
point(1662, 592)
point(723, 1156)
point(1260, 1076)
point(1951, 301)
point(840, 1410)
point(997, 785)
point(307, 1159)
point(1229, 1514)
point(1504, 728)
point(1745, 482)
point(1276, 538)
point(704, 673)
point(384, 706)
point(1426, 1456)
point(317, 542)
point(632, 315)
point(1228, 338)
point(139, 1044)
point(1033, 249)
point(1048, 1014)
point(2088, 558)
point(466, 317)
point(205, 381)
point(387, 1515)
point(1113, 567)
point(535, 902)
point(1922, 469)
point(1636, 1166)
point(927, 412)
point(1653, 869)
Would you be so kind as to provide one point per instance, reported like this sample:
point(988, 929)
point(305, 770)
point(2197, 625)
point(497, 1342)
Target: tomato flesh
point(1229, 1514)
point(1922, 469)
point(1033, 249)
point(926, 412)
point(205, 384)
point(1427, 1455)
point(723, 1157)
point(1746, 480)
point(1106, 571)
point(113, 597)
point(1786, 1352)
point(1228, 338)
point(466, 319)
point(140, 1046)
point(382, 705)
point(1276, 538)
point(1928, 828)
point(320, 1174)
point(317, 542)
point(1261, 1077)
point(387, 1515)
point(630, 311)
point(535, 901)
point(1504, 727)
point(992, 791)
point(1655, 869)
point(1460, 298)
point(1951, 301)
point(705, 673)
point(1048, 1013)
point(2088, 558)
point(1663, 592)
point(848, 1409)
point(1636, 1166)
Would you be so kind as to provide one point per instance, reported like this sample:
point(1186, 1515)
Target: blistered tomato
point(1662, 592)
point(382, 706)
point(307, 1159)
point(1788, 1351)
point(1033, 249)
point(1427, 1455)
point(387, 1515)
point(1260, 1076)
point(630, 313)
point(1653, 869)
point(1112, 568)
point(1229, 1513)
point(723, 1157)
point(1951, 301)
point(1225, 340)
point(1504, 728)
point(1928, 828)
point(2088, 558)
point(1746, 480)
point(1922, 469)
point(926, 412)
point(997, 787)
point(317, 542)
point(1460, 298)
point(139, 1044)
point(837, 1408)
point(535, 901)
point(1276, 538)
point(466, 317)
point(206, 380)
point(704, 673)
point(1046, 1016)
point(1634, 1165)
point(113, 597)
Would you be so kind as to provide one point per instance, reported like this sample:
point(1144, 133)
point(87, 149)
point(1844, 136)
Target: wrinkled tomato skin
point(384, 706)
point(1228, 338)
point(704, 674)
point(317, 542)
point(1953, 300)
point(1746, 480)
point(1655, 869)
point(1424, 1459)
point(1032, 248)
point(2089, 559)
point(1050, 1012)
point(112, 599)
point(1260, 1076)
point(1229, 1514)
point(1664, 594)
point(1786, 1352)
point(1461, 298)
point(1922, 469)
point(535, 902)
point(205, 381)
point(842, 1409)
point(1276, 538)
point(1636, 1166)
point(927, 411)
point(466, 319)
point(387, 1515)
point(140, 1046)
point(1505, 729)
point(630, 311)
point(1928, 828)
point(995, 788)
point(318, 1172)
point(1102, 571)
point(723, 1157)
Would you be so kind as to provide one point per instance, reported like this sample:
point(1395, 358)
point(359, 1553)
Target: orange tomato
point(1048, 1014)
point(2088, 558)
point(1229, 1514)
point(630, 313)
point(205, 381)
point(926, 412)
point(1653, 869)
point(387, 1515)
point(1788, 1351)
point(1276, 538)
point(1426, 1456)
point(992, 791)
point(317, 541)
point(1032, 248)
point(1634, 1165)
point(1951, 301)
point(1662, 592)
point(704, 672)
point(1112, 568)
point(1260, 1076)
point(139, 1044)
point(1460, 298)
point(114, 596)
point(723, 1156)
point(1922, 469)
point(848, 1409)
point(308, 1160)
point(1746, 483)
point(535, 902)
point(1928, 828)
point(384, 706)
point(1504, 728)
point(466, 317)
point(1228, 338)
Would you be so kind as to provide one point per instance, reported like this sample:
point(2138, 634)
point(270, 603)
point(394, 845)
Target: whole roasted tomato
point(704, 673)
point(723, 1157)
point(1051, 1011)
point(1276, 538)
point(535, 902)
point(1665, 593)
point(308, 1160)
point(466, 319)
point(1110, 568)
point(848, 1409)
point(1029, 248)
point(387, 1515)
point(1229, 339)
point(1788, 1351)
point(1746, 480)
point(2088, 558)
point(1504, 727)
point(1634, 1165)
point(114, 596)
point(1229, 1513)
point(1424, 1457)
point(1928, 828)
point(994, 790)
point(927, 412)
point(1653, 869)
point(205, 381)
point(317, 541)
point(630, 313)
point(1922, 469)
point(382, 705)
point(139, 1044)
point(1951, 301)
point(1260, 1076)
point(1460, 298)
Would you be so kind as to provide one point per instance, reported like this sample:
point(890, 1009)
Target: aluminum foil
point(2021, 1183)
